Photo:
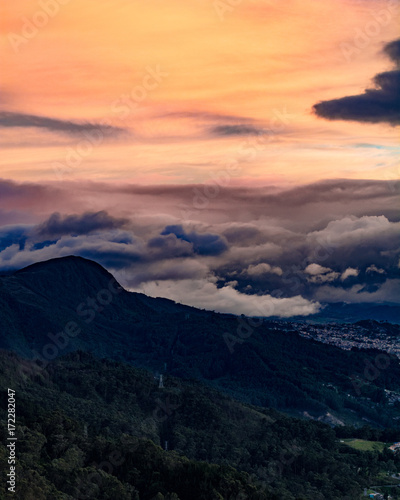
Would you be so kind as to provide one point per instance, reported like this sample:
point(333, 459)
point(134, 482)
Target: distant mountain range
point(68, 304)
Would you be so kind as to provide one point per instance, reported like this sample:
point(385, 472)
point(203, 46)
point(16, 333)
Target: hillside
point(69, 304)
point(95, 429)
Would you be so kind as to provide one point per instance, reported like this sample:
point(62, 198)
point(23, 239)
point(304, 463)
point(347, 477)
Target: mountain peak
point(64, 264)
point(69, 277)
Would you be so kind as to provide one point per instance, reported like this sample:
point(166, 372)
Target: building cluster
point(347, 335)
point(392, 397)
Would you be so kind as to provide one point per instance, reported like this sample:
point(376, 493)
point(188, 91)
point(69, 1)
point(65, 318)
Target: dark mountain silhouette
point(68, 304)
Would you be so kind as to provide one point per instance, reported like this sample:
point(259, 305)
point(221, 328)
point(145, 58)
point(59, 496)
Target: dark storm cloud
point(349, 256)
point(170, 246)
point(13, 235)
point(43, 244)
point(392, 49)
point(203, 244)
point(10, 119)
point(240, 233)
point(379, 104)
point(58, 225)
point(114, 258)
point(345, 255)
point(332, 238)
point(236, 130)
point(375, 105)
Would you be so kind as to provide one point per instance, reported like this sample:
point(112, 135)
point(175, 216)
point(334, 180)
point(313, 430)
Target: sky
point(240, 156)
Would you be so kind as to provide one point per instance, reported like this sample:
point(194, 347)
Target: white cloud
point(315, 269)
point(263, 268)
point(320, 274)
point(388, 292)
point(374, 269)
point(247, 255)
point(353, 230)
point(204, 294)
point(350, 271)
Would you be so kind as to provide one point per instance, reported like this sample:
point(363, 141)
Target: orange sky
point(260, 63)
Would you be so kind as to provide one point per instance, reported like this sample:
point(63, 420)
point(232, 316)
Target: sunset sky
point(185, 132)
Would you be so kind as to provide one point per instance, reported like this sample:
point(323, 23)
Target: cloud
point(58, 225)
point(384, 293)
point(205, 294)
point(170, 246)
point(105, 248)
point(316, 269)
point(12, 217)
point(375, 105)
point(374, 269)
point(206, 116)
point(203, 244)
point(320, 274)
point(350, 271)
point(219, 125)
point(308, 206)
point(263, 268)
point(392, 49)
point(11, 119)
point(12, 235)
point(28, 196)
point(242, 234)
point(175, 256)
point(236, 130)
point(284, 244)
point(163, 270)
point(357, 232)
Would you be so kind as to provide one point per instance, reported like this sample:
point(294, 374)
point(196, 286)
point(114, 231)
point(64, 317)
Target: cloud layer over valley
point(285, 253)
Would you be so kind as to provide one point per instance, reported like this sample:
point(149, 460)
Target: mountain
point(39, 302)
point(69, 304)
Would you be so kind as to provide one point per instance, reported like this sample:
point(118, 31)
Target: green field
point(362, 445)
